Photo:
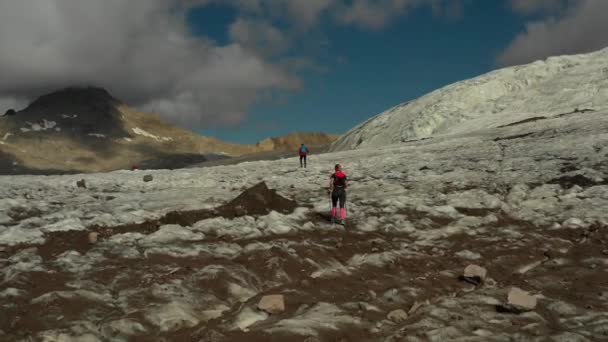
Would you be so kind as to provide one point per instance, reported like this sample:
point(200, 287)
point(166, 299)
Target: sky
point(243, 70)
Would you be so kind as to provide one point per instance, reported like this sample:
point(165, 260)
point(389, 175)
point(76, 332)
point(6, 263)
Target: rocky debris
point(567, 182)
point(257, 200)
point(518, 301)
point(93, 237)
point(417, 305)
point(148, 178)
point(397, 316)
point(272, 304)
point(474, 274)
point(81, 184)
point(22, 213)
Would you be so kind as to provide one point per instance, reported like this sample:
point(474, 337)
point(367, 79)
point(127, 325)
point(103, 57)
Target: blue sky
point(368, 71)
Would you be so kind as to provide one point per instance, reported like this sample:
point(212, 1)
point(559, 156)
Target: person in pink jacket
point(337, 187)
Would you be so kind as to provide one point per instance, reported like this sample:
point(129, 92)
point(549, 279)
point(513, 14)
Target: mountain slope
point(88, 130)
point(292, 141)
point(550, 87)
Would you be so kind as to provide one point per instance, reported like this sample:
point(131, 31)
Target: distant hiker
point(303, 152)
point(337, 186)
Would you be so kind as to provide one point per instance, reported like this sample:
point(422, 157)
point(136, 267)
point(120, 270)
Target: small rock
point(415, 307)
point(474, 274)
point(397, 316)
point(573, 223)
point(81, 184)
point(272, 304)
point(148, 178)
point(521, 299)
point(556, 226)
point(93, 237)
point(366, 307)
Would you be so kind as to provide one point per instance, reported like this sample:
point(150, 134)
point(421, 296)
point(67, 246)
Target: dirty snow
point(530, 208)
point(141, 132)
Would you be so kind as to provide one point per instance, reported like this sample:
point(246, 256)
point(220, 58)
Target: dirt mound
point(257, 200)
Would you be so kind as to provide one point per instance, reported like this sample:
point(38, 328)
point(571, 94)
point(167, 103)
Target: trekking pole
point(330, 213)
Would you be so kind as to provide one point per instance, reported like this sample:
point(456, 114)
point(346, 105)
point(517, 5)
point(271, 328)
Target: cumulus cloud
point(142, 51)
point(534, 6)
point(582, 27)
point(307, 12)
point(376, 14)
point(259, 36)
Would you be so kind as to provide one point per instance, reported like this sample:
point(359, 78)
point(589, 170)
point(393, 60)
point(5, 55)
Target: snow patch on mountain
point(42, 125)
point(141, 132)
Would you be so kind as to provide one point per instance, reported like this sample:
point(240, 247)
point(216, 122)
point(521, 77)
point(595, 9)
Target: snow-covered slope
point(543, 88)
point(528, 202)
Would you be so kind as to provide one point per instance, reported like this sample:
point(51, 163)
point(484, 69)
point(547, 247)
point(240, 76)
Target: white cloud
point(373, 14)
point(581, 28)
point(141, 51)
point(534, 6)
point(259, 36)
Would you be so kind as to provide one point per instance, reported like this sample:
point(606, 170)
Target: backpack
point(303, 149)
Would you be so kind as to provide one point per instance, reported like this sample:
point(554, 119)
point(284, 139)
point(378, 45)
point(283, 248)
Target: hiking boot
point(333, 220)
point(342, 222)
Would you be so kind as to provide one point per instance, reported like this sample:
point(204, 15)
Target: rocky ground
point(190, 255)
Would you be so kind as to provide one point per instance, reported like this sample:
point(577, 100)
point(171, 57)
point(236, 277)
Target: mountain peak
point(82, 96)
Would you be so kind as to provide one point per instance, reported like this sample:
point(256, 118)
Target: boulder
point(397, 316)
point(521, 299)
point(93, 237)
point(272, 304)
point(518, 301)
point(474, 274)
point(81, 184)
point(148, 178)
